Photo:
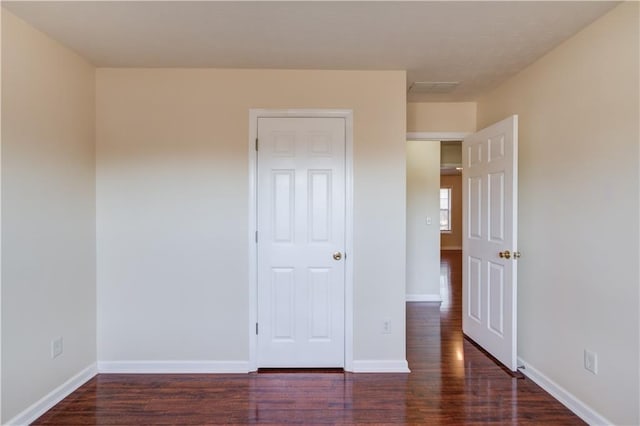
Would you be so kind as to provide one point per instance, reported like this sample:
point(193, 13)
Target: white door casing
point(489, 246)
point(300, 222)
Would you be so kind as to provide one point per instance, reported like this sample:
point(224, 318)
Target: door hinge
point(256, 144)
point(256, 329)
point(256, 237)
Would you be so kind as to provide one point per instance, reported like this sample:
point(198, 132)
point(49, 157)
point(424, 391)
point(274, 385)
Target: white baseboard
point(381, 366)
point(424, 298)
point(229, 367)
point(172, 367)
point(578, 407)
point(448, 248)
point(52, 398)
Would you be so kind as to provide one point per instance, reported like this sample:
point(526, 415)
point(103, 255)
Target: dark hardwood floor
point(451, 382)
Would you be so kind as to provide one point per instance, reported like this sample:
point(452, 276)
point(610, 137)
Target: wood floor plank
point(451, 382)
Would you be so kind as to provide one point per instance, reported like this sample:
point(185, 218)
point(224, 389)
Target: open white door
point(489, 245)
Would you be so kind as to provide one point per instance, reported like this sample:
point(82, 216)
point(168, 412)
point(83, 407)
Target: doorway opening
point(489, 241)
point(432, 158)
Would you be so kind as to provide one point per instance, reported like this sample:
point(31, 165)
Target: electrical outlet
point(591, 361)
point(56, 347)
point(428, 221)
point(386, 326)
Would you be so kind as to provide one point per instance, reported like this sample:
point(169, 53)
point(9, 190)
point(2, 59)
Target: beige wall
point(48, 215)
point(423, 185)
point(578, 220)
point(453, 240)
point(172, 201)
point(451, 153)
point(441, 117)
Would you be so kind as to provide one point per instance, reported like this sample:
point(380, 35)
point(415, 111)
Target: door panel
point(283, 205)
point(319, 206)
point(301, 224)
point(474, 289)
point(490, 228)
point(495, 298)
point(474, 204)
point(496, 206)
point(319, 304)
point(282, 302)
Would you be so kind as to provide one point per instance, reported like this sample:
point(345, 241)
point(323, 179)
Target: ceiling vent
point(433, 86)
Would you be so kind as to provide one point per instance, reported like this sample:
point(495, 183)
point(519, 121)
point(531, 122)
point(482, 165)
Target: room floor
point(451, 382)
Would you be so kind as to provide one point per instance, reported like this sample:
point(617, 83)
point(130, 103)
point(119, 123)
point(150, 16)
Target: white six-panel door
point(301, 238)
point(489, 246)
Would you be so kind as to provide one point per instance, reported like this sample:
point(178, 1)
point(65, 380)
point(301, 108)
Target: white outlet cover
point(591, 361)
point(56, 347)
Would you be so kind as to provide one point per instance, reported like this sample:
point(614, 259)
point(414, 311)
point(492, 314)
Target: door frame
point(254, 115)
point(437, 136)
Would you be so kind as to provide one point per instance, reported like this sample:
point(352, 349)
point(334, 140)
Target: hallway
point(451, 382)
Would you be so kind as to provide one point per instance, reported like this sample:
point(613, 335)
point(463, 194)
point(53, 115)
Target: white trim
point(381, 366)
point(437, 136)
point(446, 248)
point(424, 298)
point(172, 367)
point(253, 229)
point(55, 396)
point(349, 225)
point(569, 400)
point(347, 114)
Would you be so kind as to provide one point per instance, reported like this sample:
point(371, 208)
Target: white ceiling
point(478, 44)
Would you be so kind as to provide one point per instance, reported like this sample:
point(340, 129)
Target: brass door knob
point(337, 255)
point(505, 254)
